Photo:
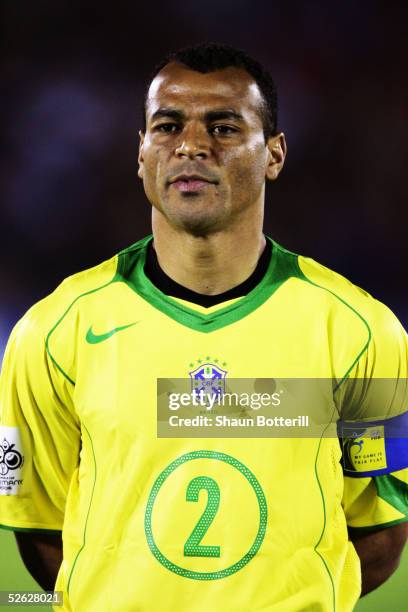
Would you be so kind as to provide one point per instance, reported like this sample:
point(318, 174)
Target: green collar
point(130, 270)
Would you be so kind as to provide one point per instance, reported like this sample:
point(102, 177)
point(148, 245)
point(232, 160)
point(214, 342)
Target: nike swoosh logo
point(96, 338)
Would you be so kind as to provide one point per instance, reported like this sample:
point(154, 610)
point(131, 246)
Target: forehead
point(181, 87)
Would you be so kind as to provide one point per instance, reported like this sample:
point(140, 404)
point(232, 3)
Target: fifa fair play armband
point(374, 448)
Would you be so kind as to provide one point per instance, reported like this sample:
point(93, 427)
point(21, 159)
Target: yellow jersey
point(195, 523)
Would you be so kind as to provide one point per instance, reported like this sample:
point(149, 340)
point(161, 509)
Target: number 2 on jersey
point(192, 547)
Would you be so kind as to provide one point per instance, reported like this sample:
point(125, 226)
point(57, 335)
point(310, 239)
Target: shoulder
point(347, 307)
point(39, 320)
point(376, 315)
point(329, 287)
point(26, 354)
point(353, 315)
point(44, 314)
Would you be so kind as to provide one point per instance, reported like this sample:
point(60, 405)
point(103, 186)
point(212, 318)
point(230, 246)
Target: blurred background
point(73, 77)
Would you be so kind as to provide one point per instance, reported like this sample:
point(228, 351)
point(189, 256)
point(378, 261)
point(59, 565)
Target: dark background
point(73, 76)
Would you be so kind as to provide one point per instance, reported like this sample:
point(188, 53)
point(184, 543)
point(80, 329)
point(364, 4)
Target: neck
point(209, 264)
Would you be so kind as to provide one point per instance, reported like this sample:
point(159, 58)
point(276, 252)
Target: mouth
point(191, 183)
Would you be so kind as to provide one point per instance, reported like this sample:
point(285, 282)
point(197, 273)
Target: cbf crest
point(208, 377)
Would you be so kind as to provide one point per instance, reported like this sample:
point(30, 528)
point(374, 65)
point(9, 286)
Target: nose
point(193, 142)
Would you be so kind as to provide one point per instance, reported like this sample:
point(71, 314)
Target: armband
point(374, 448)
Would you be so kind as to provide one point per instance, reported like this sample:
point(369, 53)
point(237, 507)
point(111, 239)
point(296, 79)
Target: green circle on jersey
point(263, 515)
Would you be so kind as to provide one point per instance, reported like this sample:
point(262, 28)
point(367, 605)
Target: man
point(207, 297)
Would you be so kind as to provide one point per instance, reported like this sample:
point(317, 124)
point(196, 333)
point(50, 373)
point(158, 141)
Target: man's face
point(203, 158)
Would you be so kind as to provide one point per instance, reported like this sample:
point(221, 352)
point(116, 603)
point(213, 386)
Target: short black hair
point(208, 57)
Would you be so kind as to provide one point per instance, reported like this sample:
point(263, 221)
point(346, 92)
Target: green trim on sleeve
point(31, 530)
point(394, 491)
point(361, 531)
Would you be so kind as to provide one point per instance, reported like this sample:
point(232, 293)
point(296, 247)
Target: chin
point(198, 225)
point(198, 222)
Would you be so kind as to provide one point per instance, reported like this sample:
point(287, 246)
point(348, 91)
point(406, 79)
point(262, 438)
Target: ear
point(140, 156)
point(276, 154)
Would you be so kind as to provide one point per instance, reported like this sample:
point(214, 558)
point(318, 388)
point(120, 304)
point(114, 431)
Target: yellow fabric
point(87, 416)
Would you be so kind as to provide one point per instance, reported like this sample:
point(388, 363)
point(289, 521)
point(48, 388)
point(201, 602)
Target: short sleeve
point(377, 502)
point(39, 431)
point(374, 433)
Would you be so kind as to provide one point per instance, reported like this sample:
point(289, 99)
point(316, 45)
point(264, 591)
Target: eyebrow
point(168, 112)
point(215, 115)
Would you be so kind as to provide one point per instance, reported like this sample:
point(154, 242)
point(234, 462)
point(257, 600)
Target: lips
point(190, 183)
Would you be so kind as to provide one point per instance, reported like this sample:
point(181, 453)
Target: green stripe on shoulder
point(74, 301)
point(364, 348)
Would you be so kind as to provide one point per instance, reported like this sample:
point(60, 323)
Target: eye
point(167, 128)
point(223, 130)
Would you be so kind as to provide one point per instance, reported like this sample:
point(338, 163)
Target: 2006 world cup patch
point(11, 460)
